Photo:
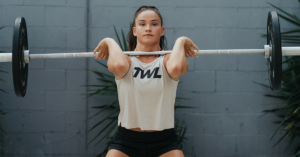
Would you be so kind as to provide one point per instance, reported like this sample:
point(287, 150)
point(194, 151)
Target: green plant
point(109, 88)
point(289, 106)
point(2, 113)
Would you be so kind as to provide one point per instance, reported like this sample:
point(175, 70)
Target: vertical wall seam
point(87, 65)
point(215, 45)
point(215, 81)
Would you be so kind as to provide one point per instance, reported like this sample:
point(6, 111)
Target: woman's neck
point(147, 49)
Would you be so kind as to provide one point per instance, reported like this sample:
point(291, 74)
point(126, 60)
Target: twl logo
point(148, 74)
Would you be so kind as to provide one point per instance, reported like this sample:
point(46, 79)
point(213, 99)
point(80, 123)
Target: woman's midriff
point(138, 129)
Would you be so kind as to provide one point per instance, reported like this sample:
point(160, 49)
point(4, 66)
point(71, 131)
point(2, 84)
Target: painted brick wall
point(49, 121)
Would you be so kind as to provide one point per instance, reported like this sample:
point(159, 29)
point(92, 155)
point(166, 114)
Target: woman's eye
point(142, 24)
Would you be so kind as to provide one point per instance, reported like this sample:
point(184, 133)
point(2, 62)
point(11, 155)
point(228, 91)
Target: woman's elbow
point(176, 70)
point(117, 68)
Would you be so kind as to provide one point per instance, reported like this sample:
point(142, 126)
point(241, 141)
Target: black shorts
point(145, 144)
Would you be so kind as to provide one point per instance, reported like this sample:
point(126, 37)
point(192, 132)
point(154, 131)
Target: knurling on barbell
point(273, 51)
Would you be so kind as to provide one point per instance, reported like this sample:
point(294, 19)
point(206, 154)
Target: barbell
point(20, 56)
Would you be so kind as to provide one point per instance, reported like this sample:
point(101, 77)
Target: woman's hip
point(148, 138)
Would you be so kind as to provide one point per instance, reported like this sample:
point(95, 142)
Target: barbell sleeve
point(5, 57)
point(286, 51)
point(290, 51)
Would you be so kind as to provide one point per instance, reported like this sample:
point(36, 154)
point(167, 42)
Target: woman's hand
point(188, 47)
point(103, 49)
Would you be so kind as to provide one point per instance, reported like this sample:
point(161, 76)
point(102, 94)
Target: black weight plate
point(19, 67)
point(275, 59)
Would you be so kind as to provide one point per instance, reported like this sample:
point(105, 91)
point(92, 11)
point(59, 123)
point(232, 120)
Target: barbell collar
point(267, 51)
point(26, 56)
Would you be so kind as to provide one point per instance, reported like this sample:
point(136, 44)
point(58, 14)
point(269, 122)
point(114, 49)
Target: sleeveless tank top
point(147, 96)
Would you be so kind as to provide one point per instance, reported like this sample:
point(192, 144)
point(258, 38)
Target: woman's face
point(148, 22)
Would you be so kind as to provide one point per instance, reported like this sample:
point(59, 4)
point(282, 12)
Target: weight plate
point(19, 67)
point(275, 59)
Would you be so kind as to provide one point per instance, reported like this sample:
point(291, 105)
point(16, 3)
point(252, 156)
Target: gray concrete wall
point(49, 121)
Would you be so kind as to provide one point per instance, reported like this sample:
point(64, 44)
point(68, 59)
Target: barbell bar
point(20, 56)
point(286, 51)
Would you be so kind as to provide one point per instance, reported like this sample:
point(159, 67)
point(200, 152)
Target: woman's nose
point(148, 28)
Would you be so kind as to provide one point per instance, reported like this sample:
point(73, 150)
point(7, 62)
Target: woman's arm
point(118, 62)
point(177, 63)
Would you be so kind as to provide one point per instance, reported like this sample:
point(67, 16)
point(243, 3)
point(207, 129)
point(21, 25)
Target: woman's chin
point(149, 41)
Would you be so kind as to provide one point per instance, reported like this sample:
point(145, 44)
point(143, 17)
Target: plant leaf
point(124, 42)
point(109, 105)
point(118, 38)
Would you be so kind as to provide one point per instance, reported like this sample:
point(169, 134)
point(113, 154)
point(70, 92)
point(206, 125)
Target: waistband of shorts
point(148, 135)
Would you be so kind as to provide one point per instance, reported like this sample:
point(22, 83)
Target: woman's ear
point(134, 31)
point(162, 31)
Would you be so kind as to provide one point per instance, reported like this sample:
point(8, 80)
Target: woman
point(147, 87)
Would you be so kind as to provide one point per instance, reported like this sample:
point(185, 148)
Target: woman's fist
point(102, 49)
point(188, 47)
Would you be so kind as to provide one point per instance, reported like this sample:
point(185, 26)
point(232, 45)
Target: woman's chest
point(147, 79)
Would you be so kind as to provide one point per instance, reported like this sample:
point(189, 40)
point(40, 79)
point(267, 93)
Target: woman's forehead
point(148, 15)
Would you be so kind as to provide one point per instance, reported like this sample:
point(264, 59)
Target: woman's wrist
point(109, 40)
point(179, 42)
point(111, 43)
point(180, 39)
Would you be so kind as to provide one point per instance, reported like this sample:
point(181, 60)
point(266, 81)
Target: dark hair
point(132, 40)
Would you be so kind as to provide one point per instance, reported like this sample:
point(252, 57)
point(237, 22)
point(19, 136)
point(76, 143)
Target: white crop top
point(147, 96)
